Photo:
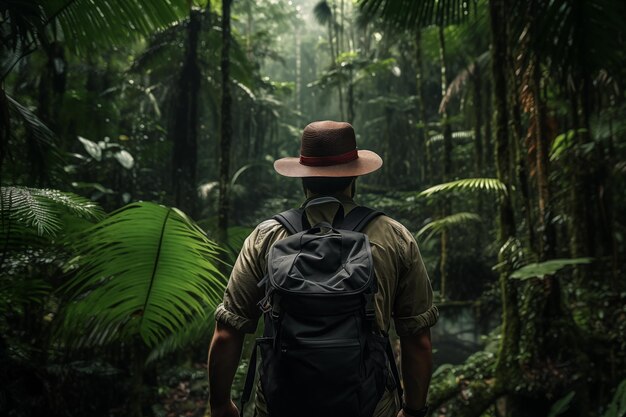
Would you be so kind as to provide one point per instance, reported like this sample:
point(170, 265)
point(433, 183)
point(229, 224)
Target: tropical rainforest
point(136, 146)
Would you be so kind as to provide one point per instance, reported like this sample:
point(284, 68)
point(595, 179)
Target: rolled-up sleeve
point(239, 307)
point(413, 306)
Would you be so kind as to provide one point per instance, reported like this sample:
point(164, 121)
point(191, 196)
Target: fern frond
point(200, 328)
point(146, 270)
point(88, 24)
point(436, 226)
point(487, 184)
point(42, 209)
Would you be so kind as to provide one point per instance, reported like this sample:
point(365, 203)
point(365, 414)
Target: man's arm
point(417, 367)
point(224, 354)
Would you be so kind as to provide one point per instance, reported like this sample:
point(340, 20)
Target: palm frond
point(147, 271)
point(40, 132)
point(322, 12)
point(418, 13)
point(460, 81)
point(87, 24)
point(200, 328)
point(436, 226)
point(487, 184)
point(42, 209)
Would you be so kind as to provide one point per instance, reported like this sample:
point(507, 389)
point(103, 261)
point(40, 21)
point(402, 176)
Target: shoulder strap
point(291, 220)
point(360, 217)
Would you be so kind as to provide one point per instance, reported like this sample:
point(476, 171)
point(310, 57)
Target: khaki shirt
point(404, 290)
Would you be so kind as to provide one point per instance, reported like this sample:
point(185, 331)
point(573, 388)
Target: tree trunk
point(546, 227)
point(52, 85)
point(298, 68)
point(478, 121)
point(184, 130)
point(488, 138)
point(519, 165)
point(225, 126)
point(506, 366)
point(423, 157)
point(447, 162)
point(138, 359)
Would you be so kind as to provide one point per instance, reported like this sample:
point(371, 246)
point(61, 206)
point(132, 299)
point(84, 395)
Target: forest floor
point(183, 392)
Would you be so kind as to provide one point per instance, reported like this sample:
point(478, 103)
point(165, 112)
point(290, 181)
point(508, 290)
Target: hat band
point(321, 161)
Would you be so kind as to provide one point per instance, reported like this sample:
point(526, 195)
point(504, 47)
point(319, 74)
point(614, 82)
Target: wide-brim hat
point(328, 149)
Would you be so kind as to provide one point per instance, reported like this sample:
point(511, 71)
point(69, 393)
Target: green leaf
point(147, 270)
point(489, 184)
point(92, 148)
point(436, 226)
point(41, 209)
point(543, 269)
point(124, 158)
point(89, 24)
point(563, 142)
point(617, 407)
point(561, 405)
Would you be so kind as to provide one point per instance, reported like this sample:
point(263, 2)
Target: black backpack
point(319, 354)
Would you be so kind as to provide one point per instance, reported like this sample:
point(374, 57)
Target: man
point(329, 163)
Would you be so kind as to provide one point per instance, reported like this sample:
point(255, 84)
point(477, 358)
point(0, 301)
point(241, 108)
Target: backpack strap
point(248, 385)
point(291, 220)
point(359, 217)
point(394, 368)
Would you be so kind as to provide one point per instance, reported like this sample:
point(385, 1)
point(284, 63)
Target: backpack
point(319, 353)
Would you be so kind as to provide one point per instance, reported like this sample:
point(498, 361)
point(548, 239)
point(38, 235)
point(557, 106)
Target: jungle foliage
point(136, 148)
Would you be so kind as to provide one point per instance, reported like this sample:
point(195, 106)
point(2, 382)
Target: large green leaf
point(551, 267)
point(87, 24)
point(147, 271)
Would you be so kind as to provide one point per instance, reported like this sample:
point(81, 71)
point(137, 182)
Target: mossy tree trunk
point(506, 367)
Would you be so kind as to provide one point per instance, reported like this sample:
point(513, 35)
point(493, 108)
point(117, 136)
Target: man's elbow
point(225, 334)
point(419, 341)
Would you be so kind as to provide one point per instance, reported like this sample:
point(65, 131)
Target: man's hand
point(227, 410)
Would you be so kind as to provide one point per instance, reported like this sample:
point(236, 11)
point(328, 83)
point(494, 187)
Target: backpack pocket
point(312, 377)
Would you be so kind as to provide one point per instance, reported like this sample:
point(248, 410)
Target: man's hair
point(326, 185)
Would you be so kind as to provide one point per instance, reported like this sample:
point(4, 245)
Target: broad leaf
point(124, 158)
point(92, 148)
point(551, 267)
point(146, 271)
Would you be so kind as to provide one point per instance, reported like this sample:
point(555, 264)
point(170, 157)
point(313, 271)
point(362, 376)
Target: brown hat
point(328, 149)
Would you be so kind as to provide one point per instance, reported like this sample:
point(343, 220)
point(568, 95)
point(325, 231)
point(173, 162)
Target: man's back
point(404, 290)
